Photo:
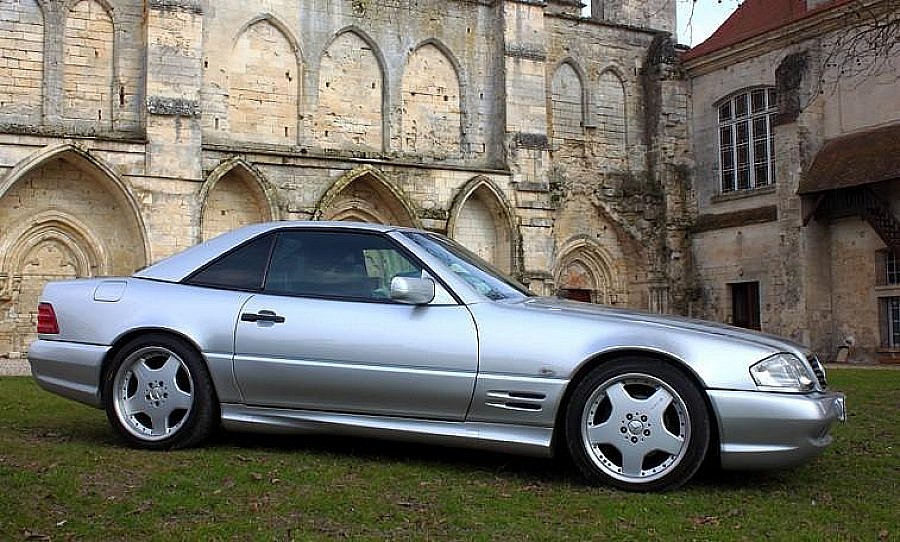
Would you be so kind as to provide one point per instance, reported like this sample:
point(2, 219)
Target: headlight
point(783, 372)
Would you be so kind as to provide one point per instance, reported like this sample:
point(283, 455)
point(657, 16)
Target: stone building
point(796, 135)
point(552, 143)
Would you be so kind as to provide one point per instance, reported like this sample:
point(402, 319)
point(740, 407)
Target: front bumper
point(68, 369)
point(759, 430)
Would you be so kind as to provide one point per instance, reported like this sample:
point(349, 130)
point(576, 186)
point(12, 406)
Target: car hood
point(590, 310)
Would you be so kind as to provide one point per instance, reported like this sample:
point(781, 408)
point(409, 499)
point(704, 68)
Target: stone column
point(669, 161)
point(804, 295)
point(173, 165)
point(528, 150)
point(174, 78)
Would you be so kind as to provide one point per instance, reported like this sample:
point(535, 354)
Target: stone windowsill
point(743, 194)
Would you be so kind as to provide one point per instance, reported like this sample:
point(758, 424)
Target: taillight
point(47, 323)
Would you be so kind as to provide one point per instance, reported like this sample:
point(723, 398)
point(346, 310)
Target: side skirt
point(514, 439)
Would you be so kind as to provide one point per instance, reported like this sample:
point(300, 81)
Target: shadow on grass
point(558, 470)
point(714, 478)
point(380, 451)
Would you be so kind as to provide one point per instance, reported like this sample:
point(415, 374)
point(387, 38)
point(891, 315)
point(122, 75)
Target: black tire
point(158, 394)
point(639, 424)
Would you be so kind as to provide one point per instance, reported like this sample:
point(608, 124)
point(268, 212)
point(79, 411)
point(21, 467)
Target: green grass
point(64, 475)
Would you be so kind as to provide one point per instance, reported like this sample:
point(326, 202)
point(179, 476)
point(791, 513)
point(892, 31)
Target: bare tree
point(865, 42)
point(696, 5)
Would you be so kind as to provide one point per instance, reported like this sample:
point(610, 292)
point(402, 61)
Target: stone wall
point(818, 277)
point(139, 128)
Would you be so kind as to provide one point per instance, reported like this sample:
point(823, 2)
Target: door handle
point(262, 316)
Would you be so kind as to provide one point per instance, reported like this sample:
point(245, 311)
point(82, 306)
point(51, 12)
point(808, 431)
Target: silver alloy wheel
point(636, 428)
point(153, 393)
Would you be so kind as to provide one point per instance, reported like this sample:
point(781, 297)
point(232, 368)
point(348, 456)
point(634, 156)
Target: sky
point(708, 15)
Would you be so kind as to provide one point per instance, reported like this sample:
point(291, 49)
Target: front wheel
point(158, 394)
point(638, 424)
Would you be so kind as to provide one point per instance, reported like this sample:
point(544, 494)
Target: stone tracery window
point(746, 142)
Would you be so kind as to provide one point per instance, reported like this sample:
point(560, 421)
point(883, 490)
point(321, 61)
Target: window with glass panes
point(746, 144)
point(891, 268)
point(890, 322)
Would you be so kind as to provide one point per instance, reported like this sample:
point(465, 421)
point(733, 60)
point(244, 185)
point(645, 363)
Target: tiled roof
point(755, 17)
point(853, 160)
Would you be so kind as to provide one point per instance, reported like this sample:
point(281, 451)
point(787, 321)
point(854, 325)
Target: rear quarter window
point(244, 268)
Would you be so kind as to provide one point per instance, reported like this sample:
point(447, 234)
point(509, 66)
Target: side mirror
point(412, 290)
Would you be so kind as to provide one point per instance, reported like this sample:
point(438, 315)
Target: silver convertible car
point(378, 331)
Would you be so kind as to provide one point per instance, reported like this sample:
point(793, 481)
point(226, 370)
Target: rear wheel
point(638, 424)
point(158, 394)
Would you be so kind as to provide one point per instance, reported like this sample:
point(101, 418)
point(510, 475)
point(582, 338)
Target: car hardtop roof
point(181, 265)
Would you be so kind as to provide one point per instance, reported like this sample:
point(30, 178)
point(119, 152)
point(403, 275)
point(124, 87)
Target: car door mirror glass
point(412, 290)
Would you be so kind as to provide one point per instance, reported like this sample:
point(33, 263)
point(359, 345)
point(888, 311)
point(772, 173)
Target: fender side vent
point(527, 395)
point(523, 406)
point(516, 400)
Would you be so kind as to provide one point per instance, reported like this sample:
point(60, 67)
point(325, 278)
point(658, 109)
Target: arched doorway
point(584, 275)
point(598, 259)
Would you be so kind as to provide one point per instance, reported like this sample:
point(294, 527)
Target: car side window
point(336, 264)
point(240, 269)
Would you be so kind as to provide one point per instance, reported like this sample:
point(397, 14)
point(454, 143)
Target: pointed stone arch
point(586, 267)
point(89, 65)
point(63, 214)
point(67, 231)
point(482, 219)
point(366, 195)
point(264, 82)
point(83, 159)
point(567, 101)
point(596, 254)
point(432, 98)
point(52, 246)
point(612, 116)
point(352, 93)
point(22, 31)
point(235, 194)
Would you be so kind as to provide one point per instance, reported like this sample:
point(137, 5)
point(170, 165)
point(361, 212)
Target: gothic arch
point(582, 79)
point(482, 218)
point(87, 250)
point(347, 120)
point(604, 247)
point(433, 122)
point(248, 183)
point(616, 70)
point(73, 217)
point(279, 25)
point(365, 195)
point(70, 4)
point(566, 125)
point(87, 83)
point(116, 184)
point(264, 89)
point(612, 111)
point(584, 265)
point(24, 32)
point(365, 37)
point(447, 52)
point(50, 246)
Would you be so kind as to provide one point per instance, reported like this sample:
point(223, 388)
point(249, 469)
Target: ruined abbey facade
point(552, 143)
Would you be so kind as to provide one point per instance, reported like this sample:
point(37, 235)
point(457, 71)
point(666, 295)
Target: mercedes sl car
point(380, 331)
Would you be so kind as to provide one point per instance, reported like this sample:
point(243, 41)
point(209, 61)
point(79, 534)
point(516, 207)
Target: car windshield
point(482, 276)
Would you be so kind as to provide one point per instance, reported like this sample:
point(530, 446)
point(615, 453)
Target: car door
point(324, 334)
